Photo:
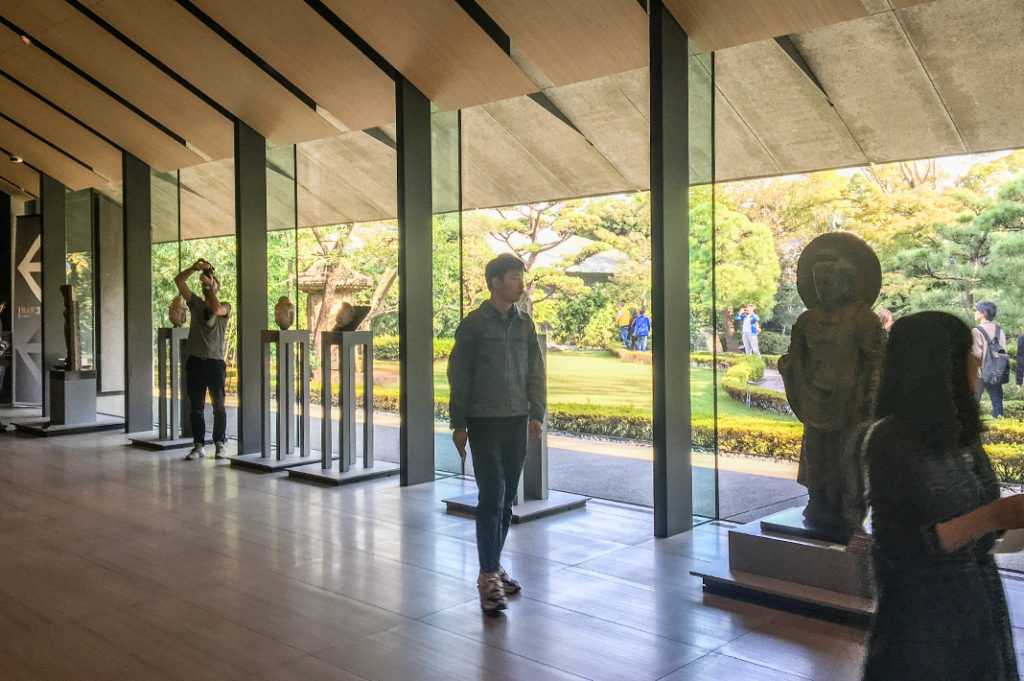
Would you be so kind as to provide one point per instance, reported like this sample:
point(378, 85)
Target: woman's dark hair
point(924, 379)
point(502, 265)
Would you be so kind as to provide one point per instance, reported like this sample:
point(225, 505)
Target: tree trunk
point(333, 276)
point(729, 331)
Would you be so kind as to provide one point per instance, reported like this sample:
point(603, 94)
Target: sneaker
point(196, 453)
point(492, 594)
point(510, 585)
point(221, 453)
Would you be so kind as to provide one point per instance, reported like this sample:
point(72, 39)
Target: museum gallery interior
point(338, 543)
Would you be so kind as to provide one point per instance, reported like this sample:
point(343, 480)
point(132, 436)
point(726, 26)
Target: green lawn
point(594, 377)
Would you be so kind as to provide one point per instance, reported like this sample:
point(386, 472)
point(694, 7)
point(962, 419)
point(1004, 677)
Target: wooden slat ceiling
point(717, 24)
point(178, 39)
point(73, 174)
point(438, 47)
point(101, 112)
point(84, 43)
point(310, 53)
point(58, 129)
point(20, 176)
point(576, 40)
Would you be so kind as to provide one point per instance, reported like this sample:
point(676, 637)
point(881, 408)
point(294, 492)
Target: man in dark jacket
point(498, 399)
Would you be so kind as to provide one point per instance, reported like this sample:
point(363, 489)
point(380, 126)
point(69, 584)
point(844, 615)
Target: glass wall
point(80, 258)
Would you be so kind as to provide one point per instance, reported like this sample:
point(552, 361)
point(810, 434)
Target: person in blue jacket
point(749, 327)
point(641, 330)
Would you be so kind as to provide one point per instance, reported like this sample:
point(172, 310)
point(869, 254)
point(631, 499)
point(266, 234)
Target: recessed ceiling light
point(25, 39)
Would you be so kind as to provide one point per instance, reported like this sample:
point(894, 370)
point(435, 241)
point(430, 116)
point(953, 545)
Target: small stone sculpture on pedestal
point(346, 313)
point(831, 373)
point(284, 313)
point(177, 313)
point(73, 359)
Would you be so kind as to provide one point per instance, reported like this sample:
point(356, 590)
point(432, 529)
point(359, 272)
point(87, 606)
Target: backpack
point(995, 369)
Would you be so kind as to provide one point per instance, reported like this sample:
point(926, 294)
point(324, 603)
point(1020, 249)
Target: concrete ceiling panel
point(614, 115)
point(576, 40)
point(789, 114)
point(973, 54)
point(347, 178)
point(207, 200)
point(497, 170)
point(562, 150)
point(738, 152)
point(870, 69)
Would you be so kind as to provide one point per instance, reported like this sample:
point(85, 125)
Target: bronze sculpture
point(73, 359)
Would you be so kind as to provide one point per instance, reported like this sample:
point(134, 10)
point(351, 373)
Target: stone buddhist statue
point(72, 340)
point(284, 313)
point(177, 313)
point(831, 372)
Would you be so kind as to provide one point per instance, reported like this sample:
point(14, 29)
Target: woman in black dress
point(935, 514)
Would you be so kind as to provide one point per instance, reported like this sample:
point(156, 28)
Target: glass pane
point(80, 257)
point(447, 226)
point(703, 372)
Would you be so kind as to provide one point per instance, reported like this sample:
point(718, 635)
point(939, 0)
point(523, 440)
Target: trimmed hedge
point(386, 347)
point(751, 369)
point(633, 355)
point(1007, 462)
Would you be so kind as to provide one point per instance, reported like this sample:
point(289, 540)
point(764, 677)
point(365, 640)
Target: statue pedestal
point(775, 560)
point(349, 468)
point(72, 397)
point(533, 499)
point(289, 431)
point(72, 407)
point(174, 430)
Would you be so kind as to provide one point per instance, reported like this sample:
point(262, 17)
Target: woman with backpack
point(990, 350)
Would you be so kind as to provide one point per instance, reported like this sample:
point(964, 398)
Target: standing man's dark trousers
point(995, 395)
point(498, 445)
point(203, 374)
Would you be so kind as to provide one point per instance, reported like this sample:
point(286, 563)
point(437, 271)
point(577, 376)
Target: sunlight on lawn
point(595, 377)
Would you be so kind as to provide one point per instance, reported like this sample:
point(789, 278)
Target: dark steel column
point(7, 285)
point(251, 306)
point(54, 275)
point(138, 296)
point(670, 182)
point(415, 287)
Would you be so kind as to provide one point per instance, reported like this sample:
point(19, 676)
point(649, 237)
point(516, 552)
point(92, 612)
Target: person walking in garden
point(497, 400)
point(641, 329)
point(749, 328)
point(622, 320)
point(990, 350)
point(205, 369)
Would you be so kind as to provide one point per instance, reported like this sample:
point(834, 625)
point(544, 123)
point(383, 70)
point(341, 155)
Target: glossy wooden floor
point(118, 563)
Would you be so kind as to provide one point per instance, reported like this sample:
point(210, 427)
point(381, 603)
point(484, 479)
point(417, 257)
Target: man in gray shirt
point(205, 368)
point(498, 399)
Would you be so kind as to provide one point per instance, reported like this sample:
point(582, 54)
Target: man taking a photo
point(205, 368)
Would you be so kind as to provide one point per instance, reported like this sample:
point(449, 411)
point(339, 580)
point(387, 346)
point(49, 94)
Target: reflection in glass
point(80, 257)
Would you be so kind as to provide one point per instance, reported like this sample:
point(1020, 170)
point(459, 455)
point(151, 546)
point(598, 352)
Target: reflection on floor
point(123, 563)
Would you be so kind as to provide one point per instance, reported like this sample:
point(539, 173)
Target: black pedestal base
point(333, 476)
point(46, 428)
point(532, 509)
point(154, 442)
point(269, 463)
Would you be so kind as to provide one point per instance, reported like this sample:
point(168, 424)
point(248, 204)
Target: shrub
point(1007, 462)
point(633, 355)
point(772, 343)
point(386, 347)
